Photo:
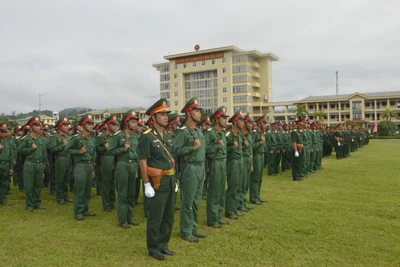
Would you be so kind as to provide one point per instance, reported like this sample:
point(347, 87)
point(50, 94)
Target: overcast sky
point(98, 54)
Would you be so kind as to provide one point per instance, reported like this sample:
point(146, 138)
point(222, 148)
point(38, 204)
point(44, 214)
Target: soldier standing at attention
point(157, 163)
point(258, 138)
point(62, 160)
point(173, 127)
point(297, 145)
point(17, 175)
point(33, 148)
point(205, 127)
point(138, 131)
point(190, 146)
point(104, 143)
point(6, 163)
point(82, 148)
point(234, 140)
point(216, 156)
point(127, 167)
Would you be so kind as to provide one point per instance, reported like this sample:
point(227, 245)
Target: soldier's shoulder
point(183, 128)
point(117, 132)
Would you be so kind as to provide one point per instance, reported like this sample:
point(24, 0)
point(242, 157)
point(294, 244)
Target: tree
point(388, 114)
point(301, 111)
point(386, 128)
point(320, 115)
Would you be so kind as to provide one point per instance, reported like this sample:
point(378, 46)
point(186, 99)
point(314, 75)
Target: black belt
point(86, 162)
point(34, 161)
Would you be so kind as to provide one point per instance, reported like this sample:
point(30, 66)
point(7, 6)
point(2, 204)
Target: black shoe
point(257, 202)
point(232, 217)
point(159, 256)
point(89, 214)
point(80, 218)
point(190, 238)
point(177, 208)
point(133, 223)
point(125, 226)
point(168, 252)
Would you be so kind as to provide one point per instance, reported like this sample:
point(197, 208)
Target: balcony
point(255, 84)
point(255, 64)
point(255, 94)
point(255, 74)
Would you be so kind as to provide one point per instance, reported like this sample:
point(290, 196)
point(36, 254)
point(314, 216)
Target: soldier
point(127, 141)
point(190, 146)
point(6, 163)
point(248, 144)
point(139, 182)
point(258, 138)
point(82, 148)
point(104, 143)
point(17, 176)
point(205, 126)
point(101, 129)
point(216, 156)
point(298, 151)
point(234, 140)
point(62, 160)
point(156, 161)
point(34, 149)
point(173, 127)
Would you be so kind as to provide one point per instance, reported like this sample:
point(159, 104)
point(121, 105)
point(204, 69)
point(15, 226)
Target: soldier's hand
point(252, 168)
point(245, 143)
point(44, 166)
point(106, 145)
point(93, 175)
point(220, 143)
point(33, 146)
point(235, 144)
point(296, 154)
point(64, 142)
point(1, 146)
point(284, 150)
point(271, 152)
point(262, 139)
point(11, 172)
point(127, 146)
point(83, 150)
point(196, 144)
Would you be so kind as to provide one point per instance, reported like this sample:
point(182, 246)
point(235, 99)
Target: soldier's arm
point(211, 143)
point(55, 145)
point(116, 145)
point(24, 149)
point(180, 149)
point(99, 144)
point(72, 147)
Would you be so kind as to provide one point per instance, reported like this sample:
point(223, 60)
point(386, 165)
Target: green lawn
point(345, 215)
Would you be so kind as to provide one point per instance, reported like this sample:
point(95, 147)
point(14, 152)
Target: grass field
point(344, 215)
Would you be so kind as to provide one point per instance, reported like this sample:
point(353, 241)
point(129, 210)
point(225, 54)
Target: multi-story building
point(357, 107)
point(100, 115)
point(44, 118)
point(226, 76)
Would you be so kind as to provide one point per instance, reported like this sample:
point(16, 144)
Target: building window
point(224, 90)
point(224, 99)
point(384, 104)
point(164, 69)
point(356, 110)
point(164, 86)
point(223, 70)
point(194, 64)
point(241, 68)
point(392, 103)
point(213, 61)
point(332, 105)
point(175, 85)
point(175, 103)
point(175, 75)
point(164, 77)
point(184, 65)
point(223, 80)
point(175, 94)
point(223, 60)
point(203, 62)
point(325, 106)
point(333, 117)
point(176, 66)
point(310, 106)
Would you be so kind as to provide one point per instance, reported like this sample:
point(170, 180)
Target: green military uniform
point(35, 162)
point(6, 163)
point(272, 150)
point(107, 165)
point(161, 206)
point(234, 168)
point(193, 173)
point(101, 128)
point(126, 170)
point(18, 161)
point(247, 165)
point(62, 162)
point(206, 121)
point(258, 162)
point(295, 137)
point(305, 155)
point(84, 169)
point(216, 157)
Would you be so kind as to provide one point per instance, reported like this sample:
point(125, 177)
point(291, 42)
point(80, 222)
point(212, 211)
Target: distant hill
point(74, 111)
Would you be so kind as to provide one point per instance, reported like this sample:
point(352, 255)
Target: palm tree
point(320, 115)
point(301, 111)
point(388, 114)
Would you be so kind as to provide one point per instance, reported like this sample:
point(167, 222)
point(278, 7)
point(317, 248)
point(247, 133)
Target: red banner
point(199, 58)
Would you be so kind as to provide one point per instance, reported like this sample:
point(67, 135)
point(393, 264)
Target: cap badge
point(164, 103)
point(89, 116)
point(195, 101)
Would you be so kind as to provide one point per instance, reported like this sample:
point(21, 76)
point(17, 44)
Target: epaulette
point(75, 134)
point(117, 132)
point(227, 134)
point(100, 134)
point(147, 131)
point(209, 129)
point(168, 132)
point(24, 137)
point(183, 128)
point(294, 130)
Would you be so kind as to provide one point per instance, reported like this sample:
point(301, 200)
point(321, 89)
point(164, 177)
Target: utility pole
point(40, 101)
point(337, 83)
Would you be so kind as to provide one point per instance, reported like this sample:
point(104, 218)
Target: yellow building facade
point(226, 76)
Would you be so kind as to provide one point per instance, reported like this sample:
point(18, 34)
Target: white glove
point(148, 190)
point(176, 187)
point(338, 144)
point(296, 154)
point(352, 140)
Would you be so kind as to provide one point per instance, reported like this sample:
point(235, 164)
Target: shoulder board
point(227, 134)
point(147, 131)
point(209, 129)
point(18, 137)
point(100, 134)
point(24, 137)
point(294, 130)
point(76, 135)
point(117, 132)
point(183, 128)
